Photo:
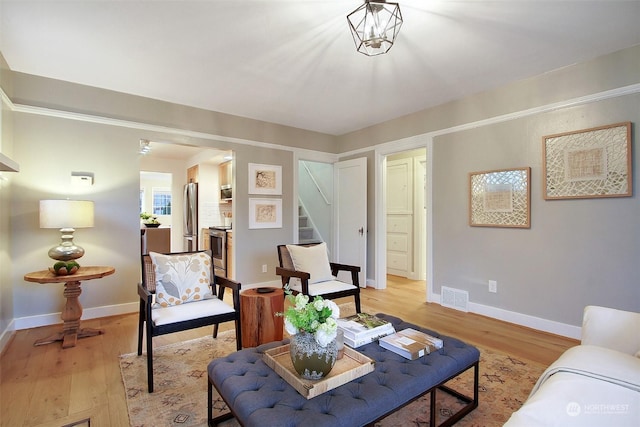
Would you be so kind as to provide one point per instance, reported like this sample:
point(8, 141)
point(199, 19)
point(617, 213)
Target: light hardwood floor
point(47, 386)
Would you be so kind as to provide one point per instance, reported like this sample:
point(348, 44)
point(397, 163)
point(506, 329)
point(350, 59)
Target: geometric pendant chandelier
point(375, 26)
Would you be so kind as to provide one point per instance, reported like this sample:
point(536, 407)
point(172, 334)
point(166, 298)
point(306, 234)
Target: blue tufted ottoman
point(259, 397)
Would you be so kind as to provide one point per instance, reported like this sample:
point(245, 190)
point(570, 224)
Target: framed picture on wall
point(500, 198)
point(265, 179)
point(588, 163)
point(265, 213)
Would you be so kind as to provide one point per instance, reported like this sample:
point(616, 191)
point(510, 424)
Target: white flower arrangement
point(317, 317)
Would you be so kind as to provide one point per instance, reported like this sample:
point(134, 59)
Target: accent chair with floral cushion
point(178, 292)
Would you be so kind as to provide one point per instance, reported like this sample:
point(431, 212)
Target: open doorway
point(181, 164)
point(156, 206)
point(332, 208)
point(315, 202)
point(405, 216)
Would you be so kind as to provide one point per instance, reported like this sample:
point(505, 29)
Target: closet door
point(400, 217)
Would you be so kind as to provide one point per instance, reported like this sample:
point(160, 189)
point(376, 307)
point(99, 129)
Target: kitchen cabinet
point(230, 272)
point(192, 174)
point(226, 173)
point(205, 242)
point(156, 240)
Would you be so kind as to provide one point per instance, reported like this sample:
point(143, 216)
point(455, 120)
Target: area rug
point(180, 396)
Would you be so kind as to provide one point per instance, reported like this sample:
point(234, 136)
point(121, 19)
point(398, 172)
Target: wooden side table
point(72, 312)
point(258, 316)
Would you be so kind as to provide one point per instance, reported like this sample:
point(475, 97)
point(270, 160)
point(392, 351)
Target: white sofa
point(594, 384)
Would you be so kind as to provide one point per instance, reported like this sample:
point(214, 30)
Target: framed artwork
point(265, 213)
point(500, 198)
point(588, 163)
point(265, 179)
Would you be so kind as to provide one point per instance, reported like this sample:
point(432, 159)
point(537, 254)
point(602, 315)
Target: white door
point(400, 233)
point(350, 215)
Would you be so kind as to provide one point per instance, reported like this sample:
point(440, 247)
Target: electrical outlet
point(264, 268)
point(493, 286)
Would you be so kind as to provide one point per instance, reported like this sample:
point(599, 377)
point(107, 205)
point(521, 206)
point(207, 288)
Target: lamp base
point(66, 250)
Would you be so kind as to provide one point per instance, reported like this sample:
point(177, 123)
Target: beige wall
point(49, 148)
point(6, 265)
point(576, 253)
point(573, 98)
point(52, 149)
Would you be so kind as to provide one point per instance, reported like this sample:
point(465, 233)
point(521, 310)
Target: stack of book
point(410, 343)
point(363, 328)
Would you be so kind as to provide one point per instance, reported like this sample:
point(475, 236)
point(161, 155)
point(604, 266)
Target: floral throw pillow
point(181, 279)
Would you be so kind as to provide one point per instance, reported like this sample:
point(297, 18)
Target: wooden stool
point(258, 316)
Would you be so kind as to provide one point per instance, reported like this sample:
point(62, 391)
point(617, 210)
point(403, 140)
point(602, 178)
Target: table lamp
point(67, 215)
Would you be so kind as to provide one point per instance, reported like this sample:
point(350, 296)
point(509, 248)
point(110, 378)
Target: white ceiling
point(294, 62)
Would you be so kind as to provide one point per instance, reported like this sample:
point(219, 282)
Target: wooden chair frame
point(286, 274)
point(146, 290)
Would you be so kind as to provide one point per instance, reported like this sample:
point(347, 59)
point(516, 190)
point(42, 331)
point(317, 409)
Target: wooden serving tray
point(352, 365)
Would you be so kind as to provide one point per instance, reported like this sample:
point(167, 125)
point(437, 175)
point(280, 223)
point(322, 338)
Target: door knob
point(361, 231)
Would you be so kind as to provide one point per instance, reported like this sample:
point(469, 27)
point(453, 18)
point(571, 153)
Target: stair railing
point(315, 182)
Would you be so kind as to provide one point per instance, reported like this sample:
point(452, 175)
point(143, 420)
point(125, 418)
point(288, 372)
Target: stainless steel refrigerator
point(190, 217)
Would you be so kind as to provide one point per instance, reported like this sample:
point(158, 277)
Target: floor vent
point(455, 298)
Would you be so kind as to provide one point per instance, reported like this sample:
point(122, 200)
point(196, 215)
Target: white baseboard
point(97, 312)
point(532, 322)
point(6, 335)
point(88, 313)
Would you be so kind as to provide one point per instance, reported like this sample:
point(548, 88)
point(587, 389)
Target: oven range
point(218, 245)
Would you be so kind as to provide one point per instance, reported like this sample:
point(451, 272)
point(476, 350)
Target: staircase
point(306, 232)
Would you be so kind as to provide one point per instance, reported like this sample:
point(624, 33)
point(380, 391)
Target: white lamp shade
point(66, 213)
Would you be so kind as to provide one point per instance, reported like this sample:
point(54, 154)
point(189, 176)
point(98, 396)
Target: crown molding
point(386, 147)
point(418, 141)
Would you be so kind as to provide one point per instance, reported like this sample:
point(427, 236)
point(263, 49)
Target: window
point(161, 201)
point(142, 195)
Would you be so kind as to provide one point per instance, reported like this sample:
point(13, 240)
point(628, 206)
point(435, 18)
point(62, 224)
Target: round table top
point(253, 292)
point(83, 273)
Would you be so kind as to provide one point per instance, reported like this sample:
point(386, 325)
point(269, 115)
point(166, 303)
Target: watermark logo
point(573, 409)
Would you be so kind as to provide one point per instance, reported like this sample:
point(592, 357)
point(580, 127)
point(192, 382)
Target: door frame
point(380, 256)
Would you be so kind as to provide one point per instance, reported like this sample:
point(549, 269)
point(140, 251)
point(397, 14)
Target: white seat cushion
point(323, 288)
point(194, 310)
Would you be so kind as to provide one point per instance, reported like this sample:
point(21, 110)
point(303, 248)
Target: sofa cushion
point(181, 278)
point(587, 386)
point(611, 328)
point(569, 400)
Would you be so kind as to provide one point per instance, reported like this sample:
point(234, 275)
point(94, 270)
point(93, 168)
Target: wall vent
point(454, 298)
